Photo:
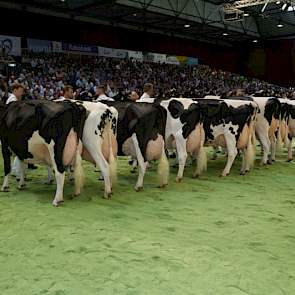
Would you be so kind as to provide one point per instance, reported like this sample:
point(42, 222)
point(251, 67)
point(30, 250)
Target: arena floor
point(230, 236)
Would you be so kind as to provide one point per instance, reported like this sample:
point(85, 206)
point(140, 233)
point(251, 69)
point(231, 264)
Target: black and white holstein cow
point(141, 134)
point(231, 127)
point(267, 123)
point(185, 132)
point(99, 145)
point(287, 125)
point(43, 132)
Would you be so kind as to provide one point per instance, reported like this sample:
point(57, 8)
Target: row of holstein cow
point(61, 134)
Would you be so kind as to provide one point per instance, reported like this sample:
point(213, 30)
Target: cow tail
point(286, 139)
point(78, 171)
point(7, 162)
point(201, 161)
point(163, 168)
point(112, 159)
point(251, 149)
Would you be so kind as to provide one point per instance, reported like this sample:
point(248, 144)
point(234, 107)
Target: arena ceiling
point(194, 19)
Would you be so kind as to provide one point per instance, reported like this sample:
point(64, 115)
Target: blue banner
point(79, 48)
point(37, 45)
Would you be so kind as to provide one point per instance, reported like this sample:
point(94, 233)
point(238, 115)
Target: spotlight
point(225, 34)
point(246, 14)
point(255, 41)
point(187, 26)
point(278, 2)
point(280, 25)
point(284, 6)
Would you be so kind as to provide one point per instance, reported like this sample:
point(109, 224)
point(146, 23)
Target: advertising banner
point(10, 45)
point(56, 46)
point(37, 45)
point(136, 55)
point(79, 48)
point(155, 57)
point(112, 52)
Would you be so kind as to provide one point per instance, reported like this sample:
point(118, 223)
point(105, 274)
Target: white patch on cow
point(221, 129)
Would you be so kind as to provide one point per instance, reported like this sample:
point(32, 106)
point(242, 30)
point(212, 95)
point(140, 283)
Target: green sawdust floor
point(204, 236)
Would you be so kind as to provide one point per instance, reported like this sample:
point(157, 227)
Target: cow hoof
point(163, 185)
point(289, 160)
point(247, 171)
point(196, 175)
point(138, 188)
point(107, 196)
point(100, 178)
point(21, 187)
point(243, 173)
point(269, 162)
point(56, 203)
point(223, 174)
point(76, 195)
point(5, 189)
point(178, 179)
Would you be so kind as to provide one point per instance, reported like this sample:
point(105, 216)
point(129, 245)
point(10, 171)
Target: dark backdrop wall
point(272, 62)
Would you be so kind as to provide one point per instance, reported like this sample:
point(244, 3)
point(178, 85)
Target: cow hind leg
point(231, 153)
point(273, 148)
point(22, 169)
point(290, 155)
point(142, 164)
point(59, 177)
point(265, 144)
point(7, 165)
point(182, 155)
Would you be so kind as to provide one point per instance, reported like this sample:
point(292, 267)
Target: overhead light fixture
point(255, 41)
point(63, 0)
point(278, 2)
point(187, 26)
point(134, 14)
point(284, 6)
point(225, 34)
point(246, 14)
point(280, 25)
point(291, 8)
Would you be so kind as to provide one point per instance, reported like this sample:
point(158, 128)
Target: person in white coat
point(148, 90)
point(100, 94)
point(68, 93)
point(17, 93)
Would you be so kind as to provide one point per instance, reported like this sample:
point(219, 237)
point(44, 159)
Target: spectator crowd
point(46, 76)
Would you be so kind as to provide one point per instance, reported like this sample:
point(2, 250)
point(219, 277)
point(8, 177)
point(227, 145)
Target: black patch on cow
point(219, 113)
point(231, 129)
point(105, 118)
point(190, 118)
point(175, 108)
point(95, 132)
point(144, 119)
point(272, 109)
